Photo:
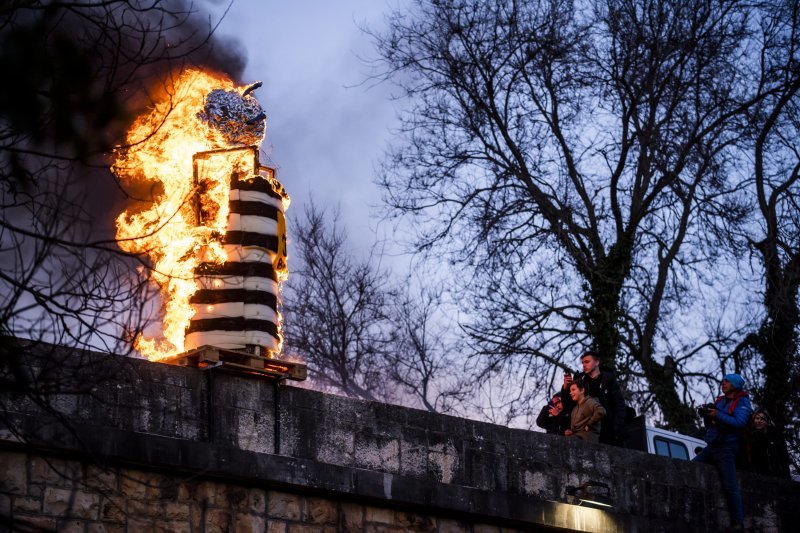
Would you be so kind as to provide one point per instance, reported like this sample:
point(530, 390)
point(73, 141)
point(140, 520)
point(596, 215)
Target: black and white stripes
point(237, 302)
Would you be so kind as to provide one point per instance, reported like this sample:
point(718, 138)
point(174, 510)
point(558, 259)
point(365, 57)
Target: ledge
point(107, 446)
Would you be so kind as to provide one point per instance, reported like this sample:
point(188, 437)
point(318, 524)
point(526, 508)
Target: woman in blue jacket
point(725, 420)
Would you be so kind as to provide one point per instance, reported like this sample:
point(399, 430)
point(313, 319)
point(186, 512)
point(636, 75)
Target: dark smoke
point(81, 74)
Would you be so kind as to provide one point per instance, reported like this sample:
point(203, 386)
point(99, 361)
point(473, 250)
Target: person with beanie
point(725, 420)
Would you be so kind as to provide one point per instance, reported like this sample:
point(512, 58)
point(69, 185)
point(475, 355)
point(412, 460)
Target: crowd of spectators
point(590, 406)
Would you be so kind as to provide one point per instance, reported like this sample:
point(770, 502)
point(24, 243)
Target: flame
point(160, 146)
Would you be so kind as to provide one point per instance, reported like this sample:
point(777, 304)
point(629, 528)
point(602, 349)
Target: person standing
point(553, 417)
point(586, 416)
point(725, 420)
point(762, 449)
point(603, 386)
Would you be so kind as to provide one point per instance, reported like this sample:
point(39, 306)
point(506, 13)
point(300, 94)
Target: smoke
point(81, 74)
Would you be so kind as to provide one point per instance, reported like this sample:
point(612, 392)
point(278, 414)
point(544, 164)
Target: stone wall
point(398, 467)
point(45, 493)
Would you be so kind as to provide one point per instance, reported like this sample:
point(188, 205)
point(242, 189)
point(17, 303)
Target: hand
point(712, 413)
point(586, 429)
point(568, 432)
point(554, 411)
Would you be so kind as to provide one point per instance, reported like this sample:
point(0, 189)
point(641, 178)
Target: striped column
point(236, 306)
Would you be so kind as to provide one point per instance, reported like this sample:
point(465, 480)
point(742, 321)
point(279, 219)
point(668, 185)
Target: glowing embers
point(241, 362)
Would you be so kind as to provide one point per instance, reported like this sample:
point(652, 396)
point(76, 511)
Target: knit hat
point(736, 380)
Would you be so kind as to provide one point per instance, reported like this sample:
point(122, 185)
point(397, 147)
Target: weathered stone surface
point(304, 528)
point(352, 517)
point(176, 511)
point(71, 502)
point(5, 505)
point(54, 472)
point(35, 523)
point(209, 440)
point(257, 500)
point(245, 523)
point(219, 521)
point(321, 511)
point(283, 505)
point(380, 516)
point(167, 526)
point(452, 526)
point(13, 473)
point(71, 526)
point(105, 527)
point(24, 504)
point(276, 526)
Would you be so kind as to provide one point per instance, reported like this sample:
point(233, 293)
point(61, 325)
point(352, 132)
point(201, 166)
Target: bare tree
point(363, 333)
point(574, 156)
point(81, 71)
point(423, 357)
point(336, 309)
point(774, 234)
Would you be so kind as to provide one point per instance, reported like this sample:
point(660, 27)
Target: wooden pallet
point(240, 362)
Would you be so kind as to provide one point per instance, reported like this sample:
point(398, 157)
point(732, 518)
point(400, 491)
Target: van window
point(670, 448)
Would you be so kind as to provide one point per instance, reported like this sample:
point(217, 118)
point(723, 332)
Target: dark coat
point(555, 425)
point(606, 390)
point(764, 452)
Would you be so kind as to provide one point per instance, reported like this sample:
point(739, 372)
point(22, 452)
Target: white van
point(671, 444)
point(661, 441)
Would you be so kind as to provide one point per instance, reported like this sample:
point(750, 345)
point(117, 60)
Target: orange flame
point(159, 149)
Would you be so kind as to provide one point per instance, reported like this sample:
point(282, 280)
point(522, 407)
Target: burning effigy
point(215, 232)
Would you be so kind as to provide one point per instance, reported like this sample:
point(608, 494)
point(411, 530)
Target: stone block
point(196, 518)
point(257, 500)
point(446, 525)
point(379, 516)
point(71, 502)
point(172, 526)
point(26, 504)
point(283, 505)
point(246, 523)
point(377, 453)
point(140, 525)
point(13, 472)
point(113, 509)
point(34, 523)
point(185, 491)
point(276, 526)
point(205, 491)
point(352, 517)
point(304, 528)
point(71, 526)
point(336, 446)
point(148, 508)
point(321, 511)
point(106, 527)
point(218, 521)
point(232, 497)
point(54, 472)
point(254, 431)
point(134, 484)
point(415, 522)
point(413, 457)
point(176, 511)
point(5, 505)
point(97, 477)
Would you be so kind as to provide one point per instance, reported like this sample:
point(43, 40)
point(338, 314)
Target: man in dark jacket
point(725, 420)
point(553, 417)
point(604, 387)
